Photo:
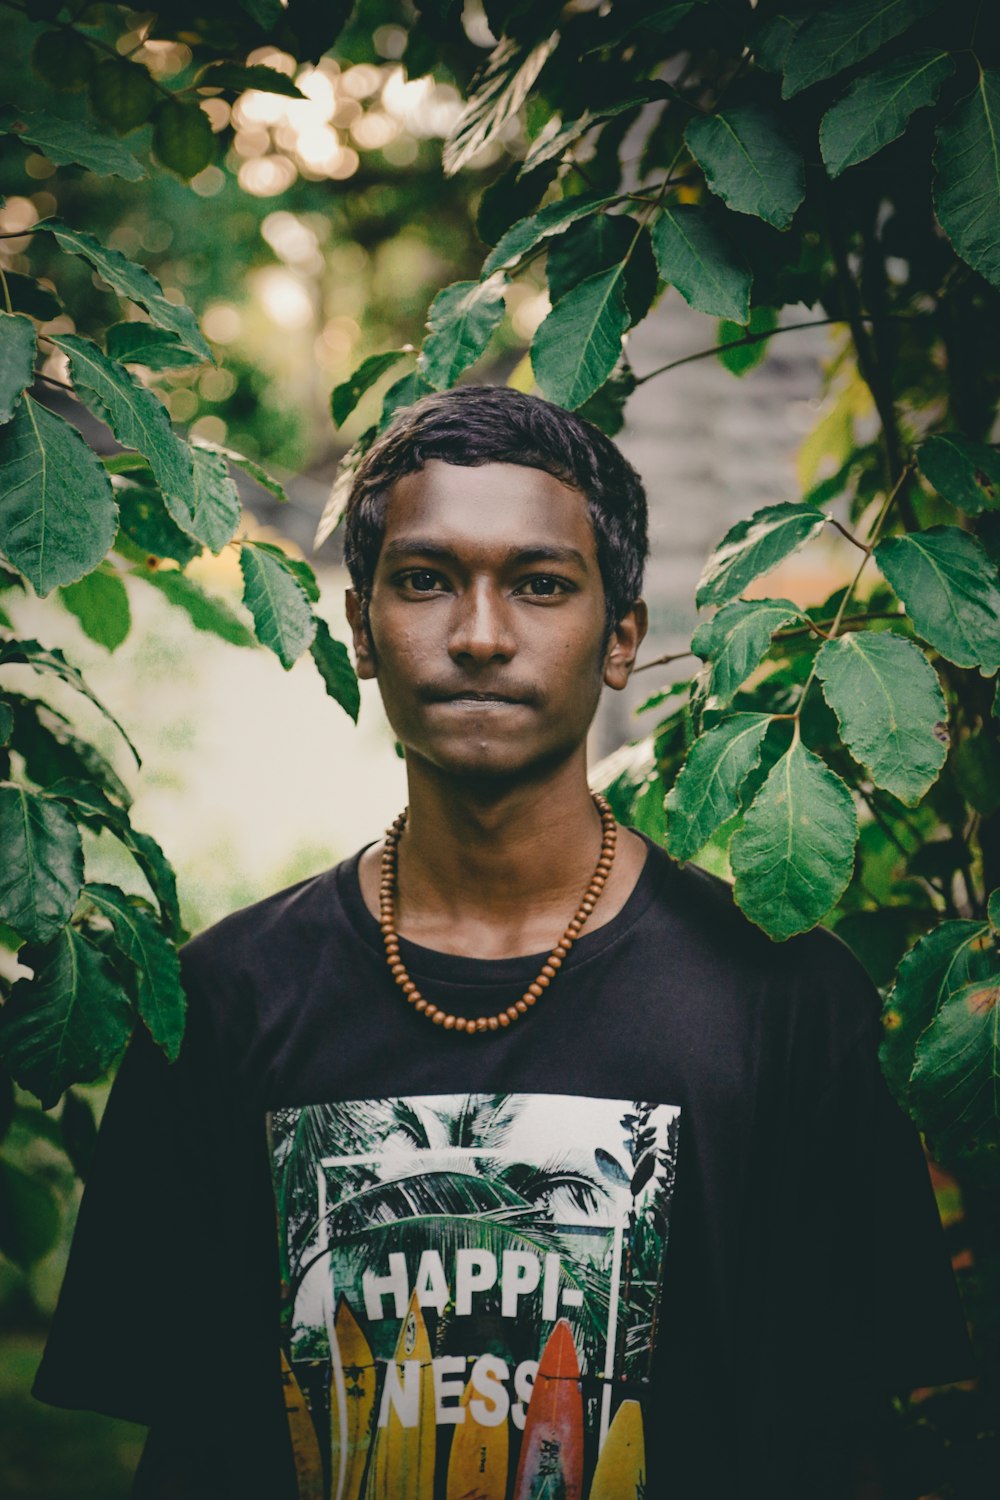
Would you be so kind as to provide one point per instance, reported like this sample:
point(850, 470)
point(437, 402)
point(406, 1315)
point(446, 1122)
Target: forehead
point(490, 505)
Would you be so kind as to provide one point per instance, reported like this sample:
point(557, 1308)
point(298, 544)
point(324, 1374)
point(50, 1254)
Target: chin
point(470, 760)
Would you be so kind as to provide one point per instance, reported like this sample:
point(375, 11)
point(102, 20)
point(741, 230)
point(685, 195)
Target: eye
point(544, 586)
point(422, 581)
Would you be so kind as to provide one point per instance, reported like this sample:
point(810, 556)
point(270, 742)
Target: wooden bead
point(387, 924)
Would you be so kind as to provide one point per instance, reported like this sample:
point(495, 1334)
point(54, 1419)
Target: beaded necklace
point(549, 969)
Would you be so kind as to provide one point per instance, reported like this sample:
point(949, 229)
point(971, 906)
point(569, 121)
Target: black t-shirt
point(675, 1202)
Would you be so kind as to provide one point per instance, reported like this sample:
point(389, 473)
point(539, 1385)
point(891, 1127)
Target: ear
point(357, 618)
point(623, 647)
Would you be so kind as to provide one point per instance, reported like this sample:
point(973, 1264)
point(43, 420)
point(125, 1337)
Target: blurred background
point(318, 236)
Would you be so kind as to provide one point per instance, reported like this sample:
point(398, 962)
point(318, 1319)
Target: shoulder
point(268, 933)
point(815, 968)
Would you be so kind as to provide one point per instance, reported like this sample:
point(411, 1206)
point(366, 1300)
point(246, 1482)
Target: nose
point(481, 630)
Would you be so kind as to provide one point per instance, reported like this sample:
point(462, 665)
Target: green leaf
point(50, 659)
point(755, 546)
point(334, 664)
point(462, 321)
point(510, 198)
point(496, 93)
point(967, 177)
point(707, 791)
point(580, 342)
point(63, 59)
point(145, 344)
point(217, 508)
point(70, 142)
point(234, 76)
point(100, 603)
point(736, 640)
point(598, 243)
point(249, 466)
point(550, 146)
point(401, 393)
point(976, 764)
point(68, 1023)
point(57, 507)
point(205, 611)
point(794, 853)
point(749, 162)
point(877, 107)
point(143, 517)
point(6, 722)
point(890, 708)
point(30, 1221)
point(347, 395)
point(528, 233)
point(606, 407)
point(631, 781)
point(283, 619)
point(843, 34)
point(949, 588)
point(131, 281)
point(695, 256)
point(964, 473)
point(93, 807)
point(17, 361)
point(739, 358)
point(182, 138)
point(27, 296)
point(296, 565)
point(161, 1000)
point(955, 1084)
point(51, 752)
point(42, 869)
point(138, 420)
point(122, 94)
point(993, 910)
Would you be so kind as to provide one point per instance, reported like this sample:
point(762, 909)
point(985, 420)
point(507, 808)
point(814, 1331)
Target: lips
point(474, 696)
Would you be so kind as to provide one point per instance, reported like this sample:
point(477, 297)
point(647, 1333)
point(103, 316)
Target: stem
point(844, 532)
point(51, 380)
point(662, 661)
point(749, 338)
point(6, 291)
point(873, 537)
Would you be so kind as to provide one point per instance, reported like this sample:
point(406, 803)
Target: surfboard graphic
point(305, 1444)
point(402, 1463)
point(551, 1464)
point(352, 1404)
point(477, 1464)
point(621, 1467)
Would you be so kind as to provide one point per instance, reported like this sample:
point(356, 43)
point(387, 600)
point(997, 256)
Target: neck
point(494, 847)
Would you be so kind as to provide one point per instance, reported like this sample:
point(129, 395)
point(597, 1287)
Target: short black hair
point(484, 424)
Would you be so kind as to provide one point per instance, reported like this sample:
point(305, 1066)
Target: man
point(583, 1187)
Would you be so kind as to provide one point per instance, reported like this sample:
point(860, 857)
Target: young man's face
point(487, 620)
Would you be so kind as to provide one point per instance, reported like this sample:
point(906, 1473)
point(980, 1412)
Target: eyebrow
point(515, 557)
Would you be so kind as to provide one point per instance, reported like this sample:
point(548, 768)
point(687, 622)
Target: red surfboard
point(551, 1461)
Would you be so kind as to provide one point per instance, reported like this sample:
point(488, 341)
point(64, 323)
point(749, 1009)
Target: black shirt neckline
point(463, 969)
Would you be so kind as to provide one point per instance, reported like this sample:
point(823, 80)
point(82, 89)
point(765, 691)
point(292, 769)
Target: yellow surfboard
point(477, 1464)
point(352, 1404)
point(402, 1464)
point(305, 1444)
point(621, 1466)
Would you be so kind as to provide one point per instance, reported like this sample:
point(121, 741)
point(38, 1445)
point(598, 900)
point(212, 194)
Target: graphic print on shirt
point(471, 1286)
